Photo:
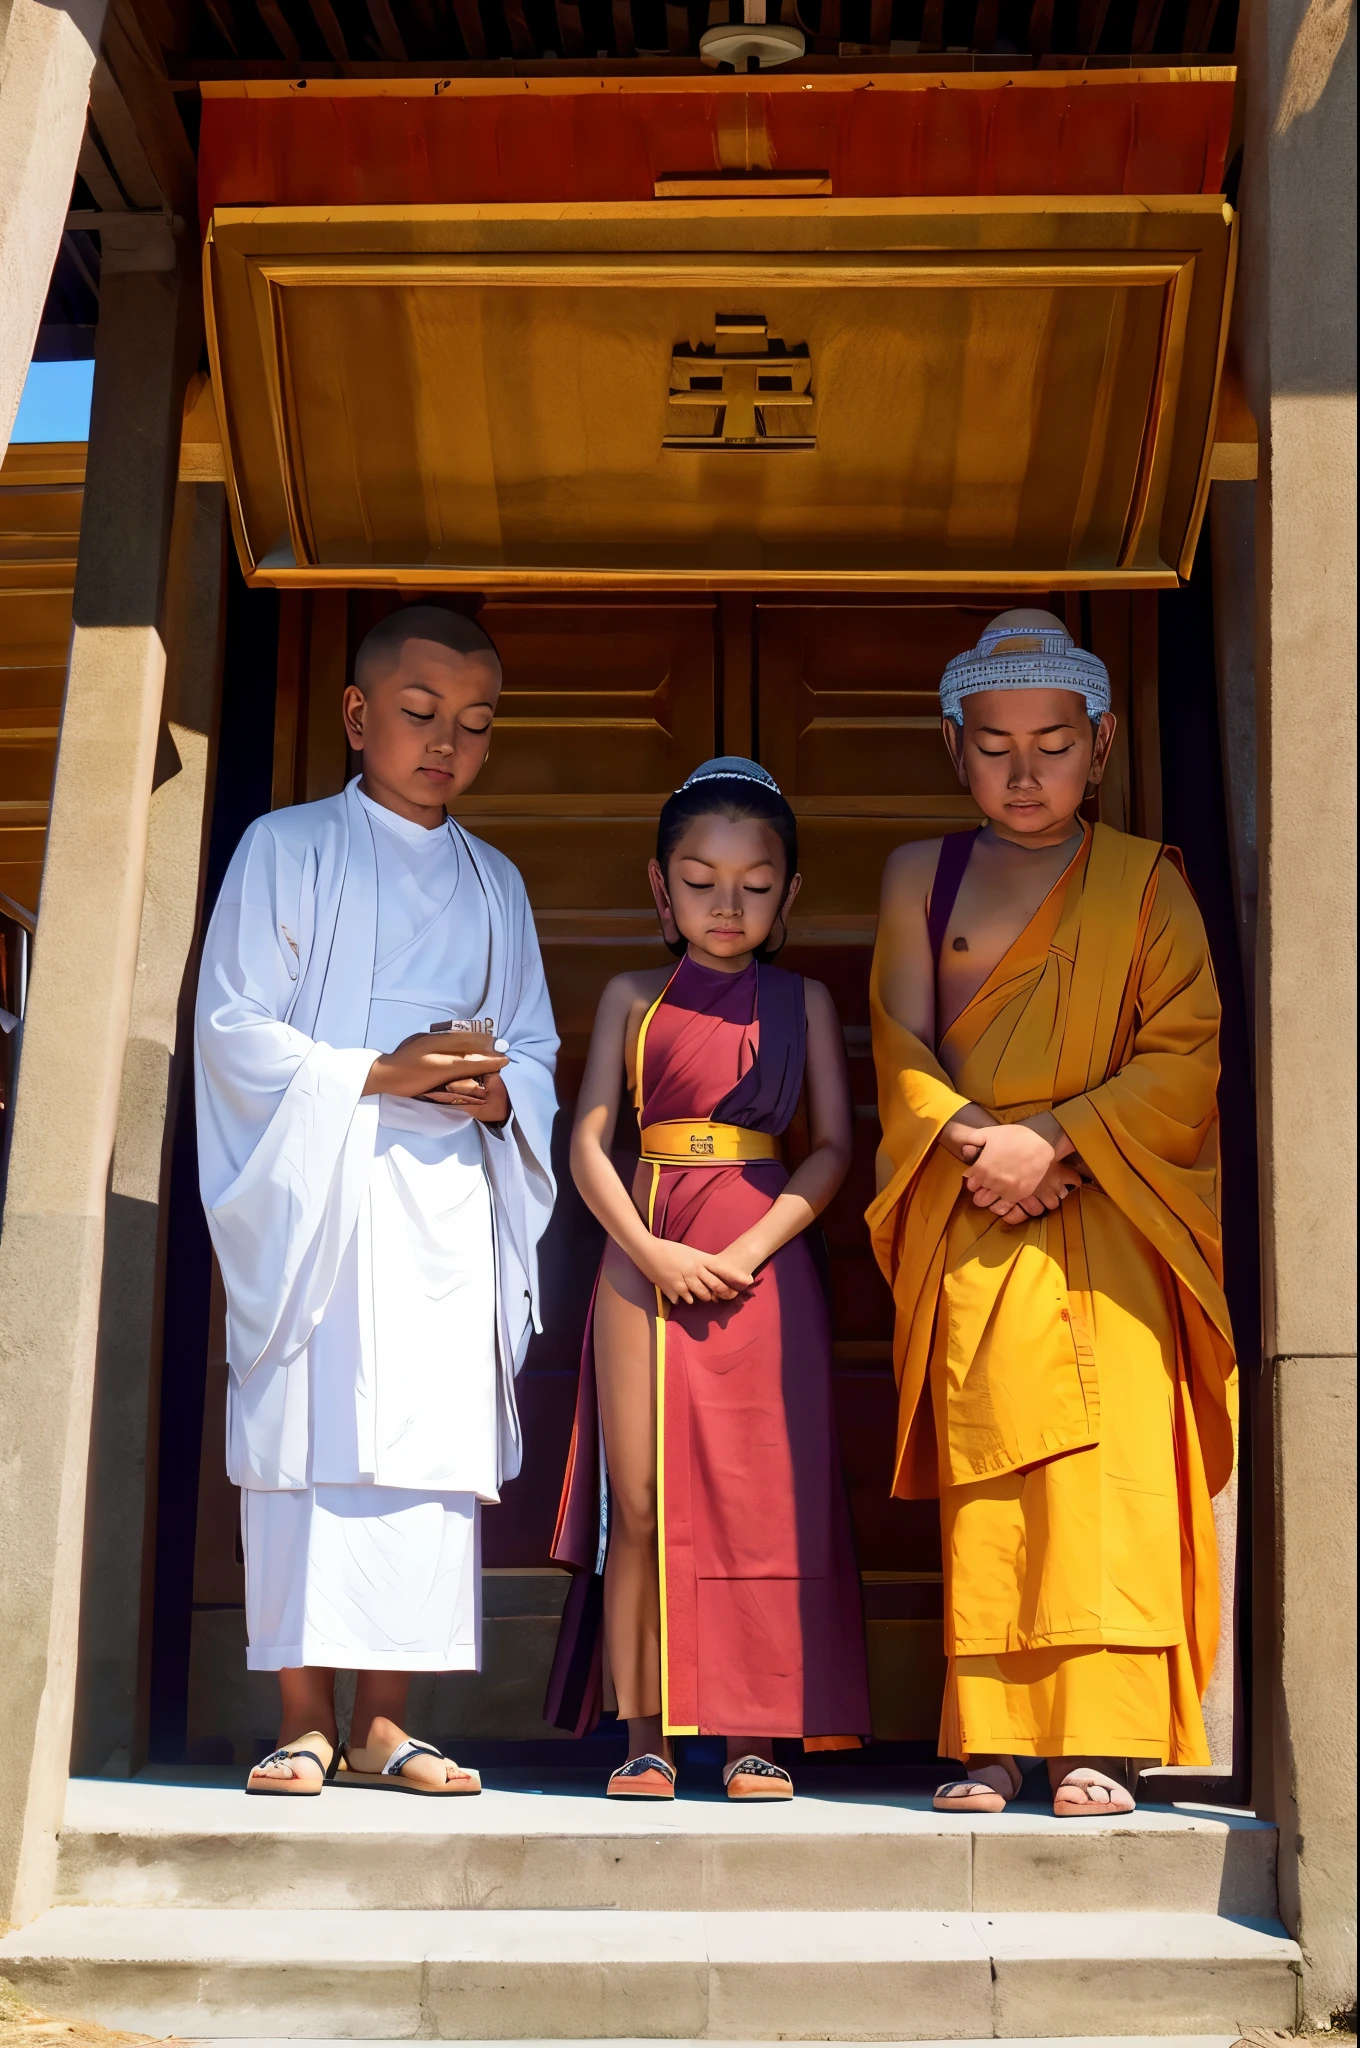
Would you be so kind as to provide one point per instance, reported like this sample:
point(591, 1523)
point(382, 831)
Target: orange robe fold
point(1068, 1389)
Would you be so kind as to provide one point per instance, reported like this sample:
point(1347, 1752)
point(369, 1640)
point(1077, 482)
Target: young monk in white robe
point(375, 1191)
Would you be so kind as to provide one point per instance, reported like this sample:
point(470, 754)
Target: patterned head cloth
point(1024, 650)
point(731, 768)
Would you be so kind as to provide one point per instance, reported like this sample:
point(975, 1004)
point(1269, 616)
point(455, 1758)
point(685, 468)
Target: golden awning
point(828, 394)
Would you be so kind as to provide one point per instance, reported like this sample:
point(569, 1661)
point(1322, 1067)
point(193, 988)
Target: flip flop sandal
point(292, 1788)
point(1079, 1807)
point(389, 1778)
point(974, 1794)
point(751, 1777)
point(642, 1777)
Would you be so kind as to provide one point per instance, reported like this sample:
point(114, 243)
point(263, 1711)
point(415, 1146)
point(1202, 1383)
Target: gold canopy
point(828, 394)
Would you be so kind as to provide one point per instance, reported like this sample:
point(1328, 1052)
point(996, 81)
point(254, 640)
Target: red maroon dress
point(762, 1623)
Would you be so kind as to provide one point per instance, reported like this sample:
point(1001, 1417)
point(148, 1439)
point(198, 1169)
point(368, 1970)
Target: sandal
point(294, 1786)
point(390, 1779)
point(642, 1777)
point(977, 1793)
point(753, 1777)
point(1072, 1798)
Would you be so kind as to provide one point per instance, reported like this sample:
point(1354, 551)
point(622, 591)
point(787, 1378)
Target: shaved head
point(380, 650)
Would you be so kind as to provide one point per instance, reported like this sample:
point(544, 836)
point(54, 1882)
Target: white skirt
point(362, 1578)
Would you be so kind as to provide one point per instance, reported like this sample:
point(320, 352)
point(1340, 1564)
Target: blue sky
point(56, 403)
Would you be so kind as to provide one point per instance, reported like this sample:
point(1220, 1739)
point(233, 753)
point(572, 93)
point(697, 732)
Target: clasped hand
point(424, 1069)
point(683, 1274)
point(1014, 1171)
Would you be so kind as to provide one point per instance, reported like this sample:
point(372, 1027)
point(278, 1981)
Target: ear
point(353, 706)
point(790, 898)
point(1100, 757)
point(953, 739)
point(670, 930)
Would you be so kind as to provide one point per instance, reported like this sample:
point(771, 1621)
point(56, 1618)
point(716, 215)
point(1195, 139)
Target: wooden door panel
point(606, 708)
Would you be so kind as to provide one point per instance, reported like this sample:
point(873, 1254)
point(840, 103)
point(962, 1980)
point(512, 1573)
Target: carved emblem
point(741, 382)
point(701, 1145)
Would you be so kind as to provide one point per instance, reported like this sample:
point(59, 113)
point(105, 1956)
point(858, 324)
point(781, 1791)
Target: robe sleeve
point(1150, 1136)
point(519, 1157)
point(285, 1133)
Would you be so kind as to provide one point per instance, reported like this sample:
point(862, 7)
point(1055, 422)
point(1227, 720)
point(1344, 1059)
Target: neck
point(431, 816)
point(732, 963)
point(1064, 833)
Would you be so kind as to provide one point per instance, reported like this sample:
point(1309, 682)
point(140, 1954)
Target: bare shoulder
point(639, 985)
point(819, 1005)
point(909, 871)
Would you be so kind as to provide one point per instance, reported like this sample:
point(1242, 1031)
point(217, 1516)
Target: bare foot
point(1081, 1791)
point(384, 1740)
point(991, 1783)
point(289, 1772)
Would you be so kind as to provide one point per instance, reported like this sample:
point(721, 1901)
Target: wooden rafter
point(332, 35)
point(469, 18)
point(386, 30)
point(120, 141)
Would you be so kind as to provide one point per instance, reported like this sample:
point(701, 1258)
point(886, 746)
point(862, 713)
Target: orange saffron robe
point(1068, 1388)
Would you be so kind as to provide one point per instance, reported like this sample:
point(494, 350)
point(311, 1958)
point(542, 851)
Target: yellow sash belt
point(705, 1144)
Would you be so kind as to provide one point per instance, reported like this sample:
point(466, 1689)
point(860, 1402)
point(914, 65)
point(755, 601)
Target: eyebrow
point(1004, 732)
point(698, 857)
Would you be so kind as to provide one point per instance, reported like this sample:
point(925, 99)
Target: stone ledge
point(710, 1976)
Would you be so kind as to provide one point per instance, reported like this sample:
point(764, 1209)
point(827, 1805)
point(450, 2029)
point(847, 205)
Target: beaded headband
point(731, 768)
point(1025, 650)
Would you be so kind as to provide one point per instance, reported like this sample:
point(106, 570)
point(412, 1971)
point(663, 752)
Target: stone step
point(148, 1844)
point(1046, 2041)
point(452, 1975)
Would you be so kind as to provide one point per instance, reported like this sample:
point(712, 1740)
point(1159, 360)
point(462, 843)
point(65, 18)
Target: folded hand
point(1008, 1166)
point(422, 1064)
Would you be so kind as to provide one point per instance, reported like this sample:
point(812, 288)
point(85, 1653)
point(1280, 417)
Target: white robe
point(379, 1255)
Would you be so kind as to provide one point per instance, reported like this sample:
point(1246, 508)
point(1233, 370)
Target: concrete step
point(145, 1844)
point(492, 1975)
point(1048, 2041)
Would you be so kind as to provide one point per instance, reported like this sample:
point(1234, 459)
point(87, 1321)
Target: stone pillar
point(75, 1040)
point(1297, 341)
point(46, 58)
point(119, 1517)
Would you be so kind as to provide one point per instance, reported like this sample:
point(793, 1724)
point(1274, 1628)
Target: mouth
point(436, 774)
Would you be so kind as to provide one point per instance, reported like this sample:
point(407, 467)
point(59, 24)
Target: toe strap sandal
point(752, 1777)
point(294, 1787)
point(979, 1792)
point(642, 1777)
point(390, 1779)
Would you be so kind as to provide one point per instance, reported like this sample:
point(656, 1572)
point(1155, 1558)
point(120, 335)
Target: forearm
point(798, 1204)
point(1046, 1125)
point(609, 1201)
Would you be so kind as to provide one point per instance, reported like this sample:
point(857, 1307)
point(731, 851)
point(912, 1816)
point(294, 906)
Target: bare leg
point(625, 1374)
point(377, 1729)
point(306, 1713)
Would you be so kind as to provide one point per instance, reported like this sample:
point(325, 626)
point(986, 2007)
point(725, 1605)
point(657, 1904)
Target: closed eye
point(420, 717)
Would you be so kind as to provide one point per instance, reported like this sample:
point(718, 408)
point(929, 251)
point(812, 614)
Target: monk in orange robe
point(1045, 1024)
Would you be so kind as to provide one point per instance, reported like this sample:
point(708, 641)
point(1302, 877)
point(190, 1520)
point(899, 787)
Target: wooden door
point(607, 706)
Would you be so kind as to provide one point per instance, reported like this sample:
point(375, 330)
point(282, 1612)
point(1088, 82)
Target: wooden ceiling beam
point(138, 65)
point(469, 18)
point(386, 30)
point(332, 35)
point(120, 141)
point(104, 187)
